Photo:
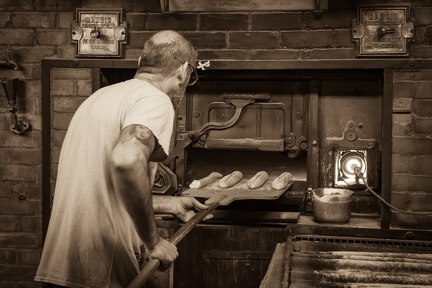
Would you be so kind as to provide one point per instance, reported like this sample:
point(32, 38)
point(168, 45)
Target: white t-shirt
point(91, 241)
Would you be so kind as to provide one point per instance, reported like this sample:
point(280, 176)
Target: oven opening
point(319, 125)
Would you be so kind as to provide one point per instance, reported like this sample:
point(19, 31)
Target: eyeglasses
point(194, 75)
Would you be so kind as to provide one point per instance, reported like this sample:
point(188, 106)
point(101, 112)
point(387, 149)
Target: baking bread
point(282, 181)
point(206, 180)
point(230, 179)
point(258, 180)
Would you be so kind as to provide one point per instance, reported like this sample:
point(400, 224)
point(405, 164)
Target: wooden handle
point(153, 264)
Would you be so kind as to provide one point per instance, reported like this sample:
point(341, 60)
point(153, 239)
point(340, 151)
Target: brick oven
point(310, 118)
point(333, 104)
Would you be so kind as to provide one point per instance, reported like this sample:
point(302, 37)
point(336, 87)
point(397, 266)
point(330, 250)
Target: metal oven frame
point(386, 65)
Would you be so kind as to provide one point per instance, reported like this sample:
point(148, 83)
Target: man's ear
point(183, 72)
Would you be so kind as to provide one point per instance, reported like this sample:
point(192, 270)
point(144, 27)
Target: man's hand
point(183, 208)
point(187, 207)
point(165, 252)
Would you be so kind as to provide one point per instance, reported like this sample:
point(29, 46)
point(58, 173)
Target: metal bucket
point(331, 205)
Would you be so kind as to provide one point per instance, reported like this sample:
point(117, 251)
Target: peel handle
point(153, 264)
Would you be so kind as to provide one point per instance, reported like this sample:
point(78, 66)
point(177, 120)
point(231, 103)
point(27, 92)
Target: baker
point(103, 209)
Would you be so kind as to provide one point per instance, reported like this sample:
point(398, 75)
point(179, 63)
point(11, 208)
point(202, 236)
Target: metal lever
point(194, 135)
point(382, 31)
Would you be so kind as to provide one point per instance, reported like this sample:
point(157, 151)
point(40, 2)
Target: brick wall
point(38, 29)
point(412, 147)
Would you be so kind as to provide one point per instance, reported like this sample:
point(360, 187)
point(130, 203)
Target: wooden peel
point(153, 264)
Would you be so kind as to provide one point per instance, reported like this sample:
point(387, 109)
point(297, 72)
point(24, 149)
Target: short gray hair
point(164, 52)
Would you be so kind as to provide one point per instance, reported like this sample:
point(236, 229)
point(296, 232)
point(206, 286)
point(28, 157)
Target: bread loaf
point(230, 179)
point(282, 181)
point(258, 180)
point(206, 180)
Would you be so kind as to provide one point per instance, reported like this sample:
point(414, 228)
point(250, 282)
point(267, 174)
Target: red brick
point(17, 273)
point(61, 121)
point(4, 18)
point(31, 224)
point(83, 88)
point(29, 257)
point(35, 53)
point(222, 54)
point(9, 139)
point(403, 90)
point(137, 39)
point(15, 206)
point(10, 189)
point(17, 173)
point(209, 40)
point(421, 202)
point(423, 89)
point(8, 256)
point(57, 138)
point(330, 18)
point(53, 37)
point(420, 52)
point(46, 5)
point(423, 126)
point(62, 87)
point(401, 163)
point(10, 5)
point(66, 104)
point(223, 21)
point(276, 21)
point(342, 38)
point(65, 19)
point(19, 240)
point(422, 108)
point(7, 223)
point(402, 124)
point(27, 156)
point(306, 39)
point(422, 15)
point(66, 51)
point(35, 20)
point(17, 37)
point(334, 53)
point(177, 21)
point(253, 40)
point(421, 165)
point(274, 54)
point(402, 105)
point(136, 21)
point(408, 182)
point(401, 200)
point(71, 73)
point(5, 156)
point(412, 145)
point(412, 74)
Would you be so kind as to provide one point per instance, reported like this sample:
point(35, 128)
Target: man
point(103, 208)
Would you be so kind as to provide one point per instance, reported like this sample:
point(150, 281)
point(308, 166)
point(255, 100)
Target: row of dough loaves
point(258, 180)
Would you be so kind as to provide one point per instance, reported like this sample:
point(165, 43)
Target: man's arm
point(131, 178)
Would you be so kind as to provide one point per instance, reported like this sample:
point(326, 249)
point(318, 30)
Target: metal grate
point(364, 241)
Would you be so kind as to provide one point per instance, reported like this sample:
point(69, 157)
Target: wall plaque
point(382, 31)
point(99, 33)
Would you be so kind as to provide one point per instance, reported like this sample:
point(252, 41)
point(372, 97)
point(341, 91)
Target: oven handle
point(195, 134)
point(153, 264)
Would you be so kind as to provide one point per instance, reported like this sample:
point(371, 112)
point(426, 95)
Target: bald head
point(166, 36)
point(164, 52)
